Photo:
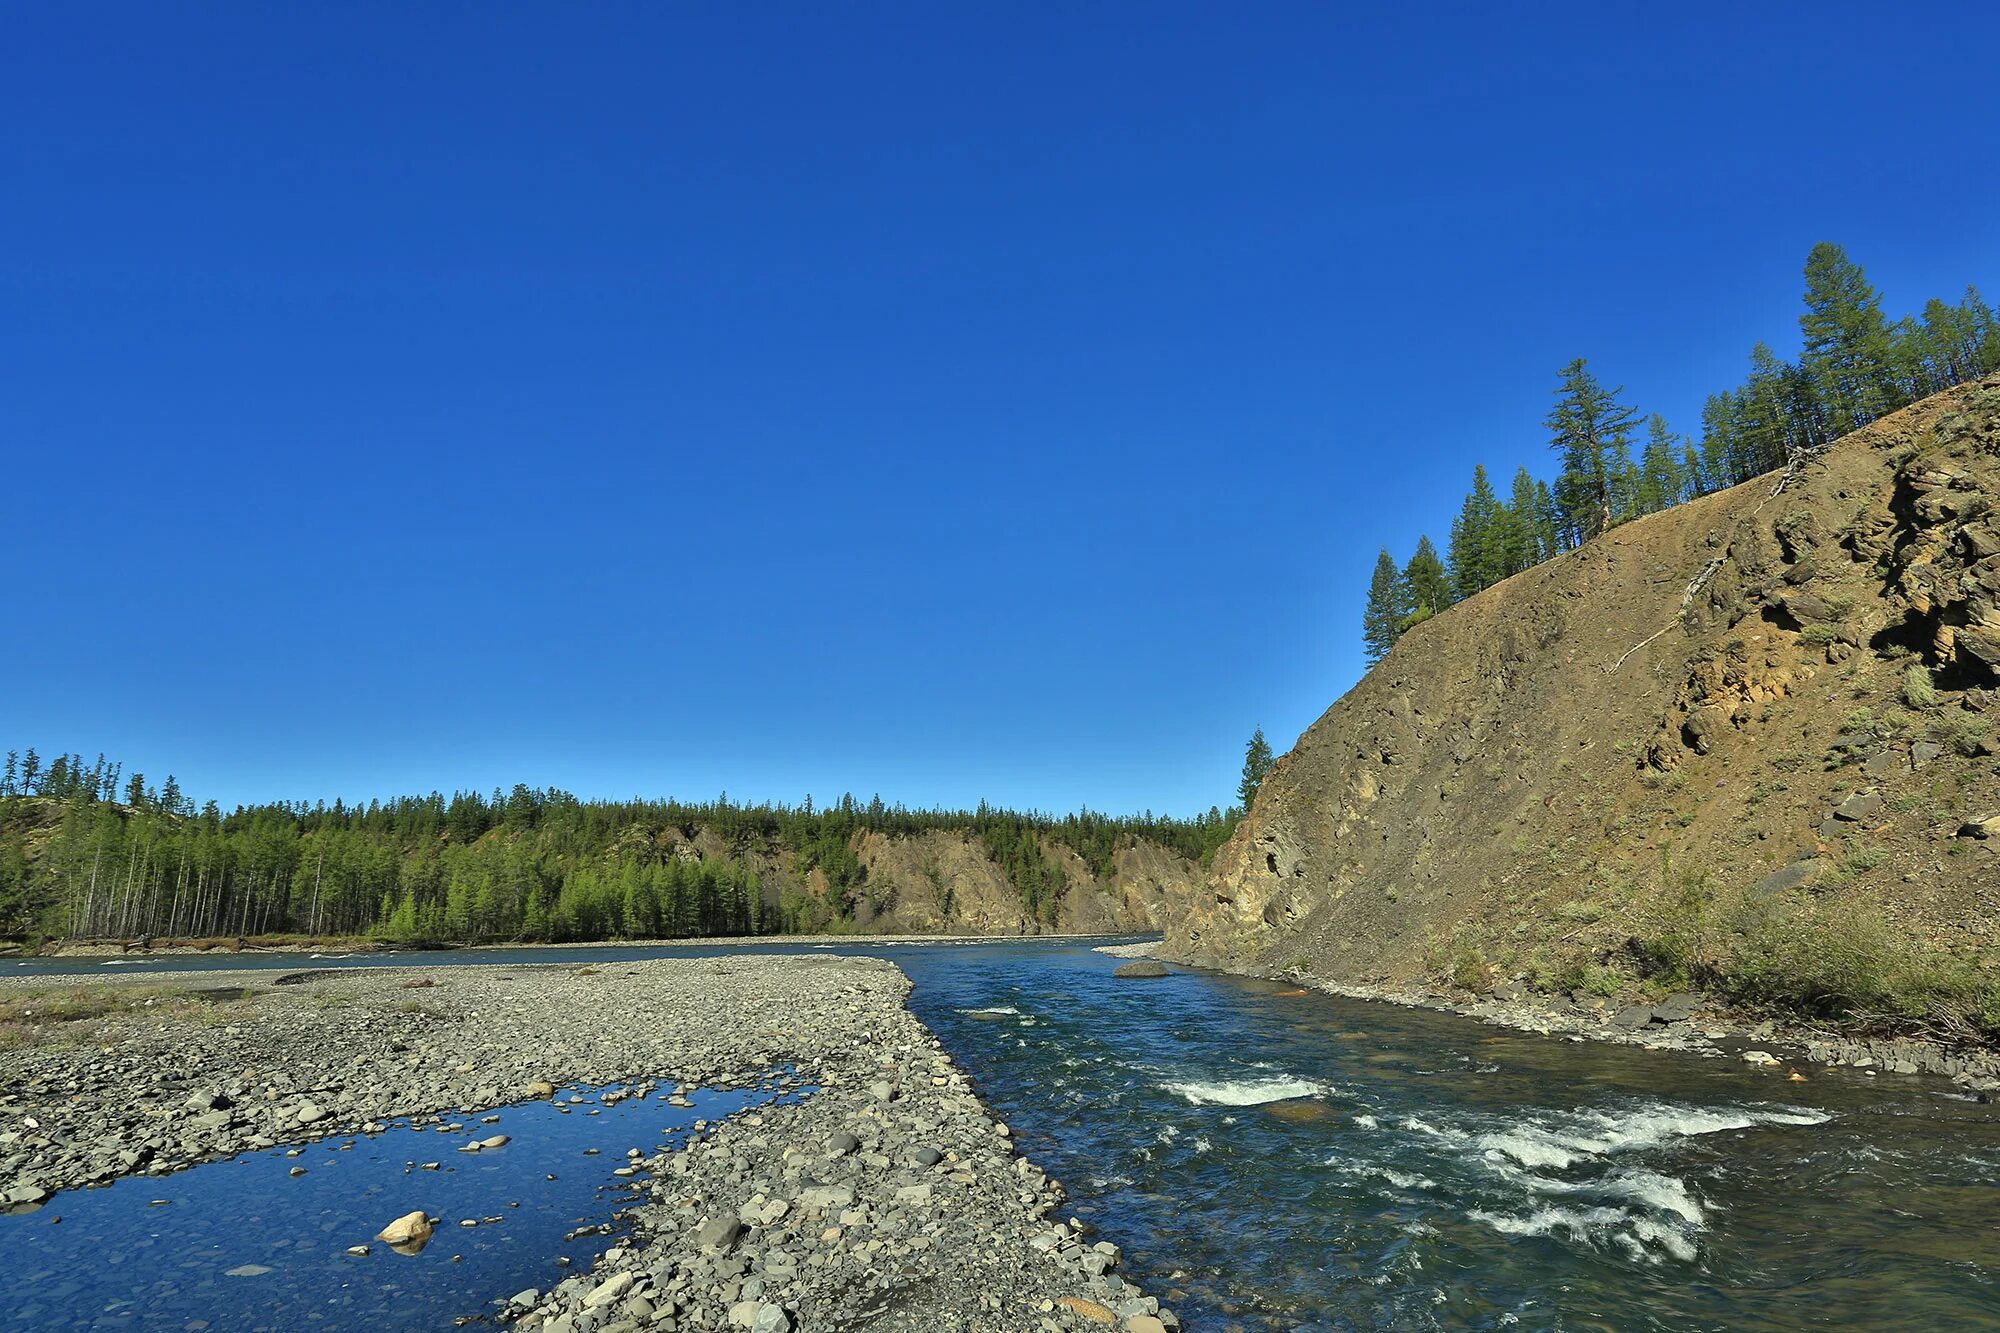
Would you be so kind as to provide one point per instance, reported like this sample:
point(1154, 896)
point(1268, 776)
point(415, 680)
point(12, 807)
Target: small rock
point(1091, 1310)
point(1140, 968)
point(718, 1235)
point(608, 1291)
point(409, 1229)
point(1859, 807)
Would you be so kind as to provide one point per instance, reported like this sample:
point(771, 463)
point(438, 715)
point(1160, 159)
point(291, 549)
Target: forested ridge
point(1854, 367)
point(86, 852)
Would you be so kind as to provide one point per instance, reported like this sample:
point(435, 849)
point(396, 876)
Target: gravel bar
point(887, 1199)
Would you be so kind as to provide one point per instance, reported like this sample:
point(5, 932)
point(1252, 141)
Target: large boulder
point(1142, 967)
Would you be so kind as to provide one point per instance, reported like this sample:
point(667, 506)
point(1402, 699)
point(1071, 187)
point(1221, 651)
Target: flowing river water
point(1280, 1160)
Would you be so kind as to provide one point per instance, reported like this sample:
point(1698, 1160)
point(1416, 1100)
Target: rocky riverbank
point(888, 1196)
point(1689, 1022)
point(1682, 1022)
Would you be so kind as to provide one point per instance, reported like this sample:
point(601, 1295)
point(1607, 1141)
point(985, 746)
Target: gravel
point(889, 1197)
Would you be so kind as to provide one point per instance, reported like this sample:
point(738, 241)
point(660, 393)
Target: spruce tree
point(1660, 482)
point(1524, 525)
point(1475, 556)
point(1769, 429)
point(1693, 481)
point(1548, 530)
point(1625, 482)
point(1719, 445)
point(1847, 352)
point(1388, 603)
point(1429, 586)
point(1589, 427)
point(1256, 763)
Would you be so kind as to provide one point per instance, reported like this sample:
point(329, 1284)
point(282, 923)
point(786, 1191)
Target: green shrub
point(1831, 961)
point(1962, 733)
point(1918, 691)
point(1674, 943)
point(1865, 857)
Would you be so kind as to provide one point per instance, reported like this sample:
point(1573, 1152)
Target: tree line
point(87, 852)
point(1854, 365)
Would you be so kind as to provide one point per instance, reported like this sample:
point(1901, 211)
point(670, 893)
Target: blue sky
point(933, 400)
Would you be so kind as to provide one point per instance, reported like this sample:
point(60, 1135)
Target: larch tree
point(1589, 427)
point(1846, 354)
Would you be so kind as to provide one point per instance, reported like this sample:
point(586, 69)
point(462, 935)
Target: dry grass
point(61, 1015)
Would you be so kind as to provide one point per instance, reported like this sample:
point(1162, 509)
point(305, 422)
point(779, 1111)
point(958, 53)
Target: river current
point(1276, 1159)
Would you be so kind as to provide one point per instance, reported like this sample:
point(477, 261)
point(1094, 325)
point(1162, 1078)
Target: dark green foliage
point(1256, 763)
point(1590, 428)
point(1523, 527)
point(1388, 603)
point(1478, 540)
point(1661, 482)
point(524, 864)
point(1854, 367)
point(1428, 584)
point(1847, 356)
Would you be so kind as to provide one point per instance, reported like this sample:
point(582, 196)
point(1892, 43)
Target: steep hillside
point(1571, 775)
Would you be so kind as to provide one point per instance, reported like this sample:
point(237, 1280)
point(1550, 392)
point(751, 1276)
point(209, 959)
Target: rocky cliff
point(1771, 700)
point(944, 882)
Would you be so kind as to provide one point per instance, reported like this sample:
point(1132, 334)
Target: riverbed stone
point(888, 1179)
point(1140, 968)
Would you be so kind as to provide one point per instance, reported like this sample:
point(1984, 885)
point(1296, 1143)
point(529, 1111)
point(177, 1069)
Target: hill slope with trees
point(88, 853)
point(1746, 743)
point(1854, 365)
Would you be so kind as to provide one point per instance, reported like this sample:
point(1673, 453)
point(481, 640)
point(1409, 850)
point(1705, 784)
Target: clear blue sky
point(929, 400)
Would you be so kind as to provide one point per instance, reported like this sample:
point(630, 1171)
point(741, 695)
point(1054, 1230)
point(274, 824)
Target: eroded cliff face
point(1521, 778)
point(944, 882)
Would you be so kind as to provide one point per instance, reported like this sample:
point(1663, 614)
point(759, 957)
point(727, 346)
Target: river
point(1280, 1160)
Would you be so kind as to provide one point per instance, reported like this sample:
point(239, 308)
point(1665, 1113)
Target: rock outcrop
point(1791, 688)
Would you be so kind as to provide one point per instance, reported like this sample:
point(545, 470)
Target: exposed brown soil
point(1528, 780)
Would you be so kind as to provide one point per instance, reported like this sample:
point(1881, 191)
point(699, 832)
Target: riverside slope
point(888, 1195)
point(1500, 796)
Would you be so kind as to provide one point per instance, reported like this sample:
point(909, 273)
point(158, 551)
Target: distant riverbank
point(332, 945)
